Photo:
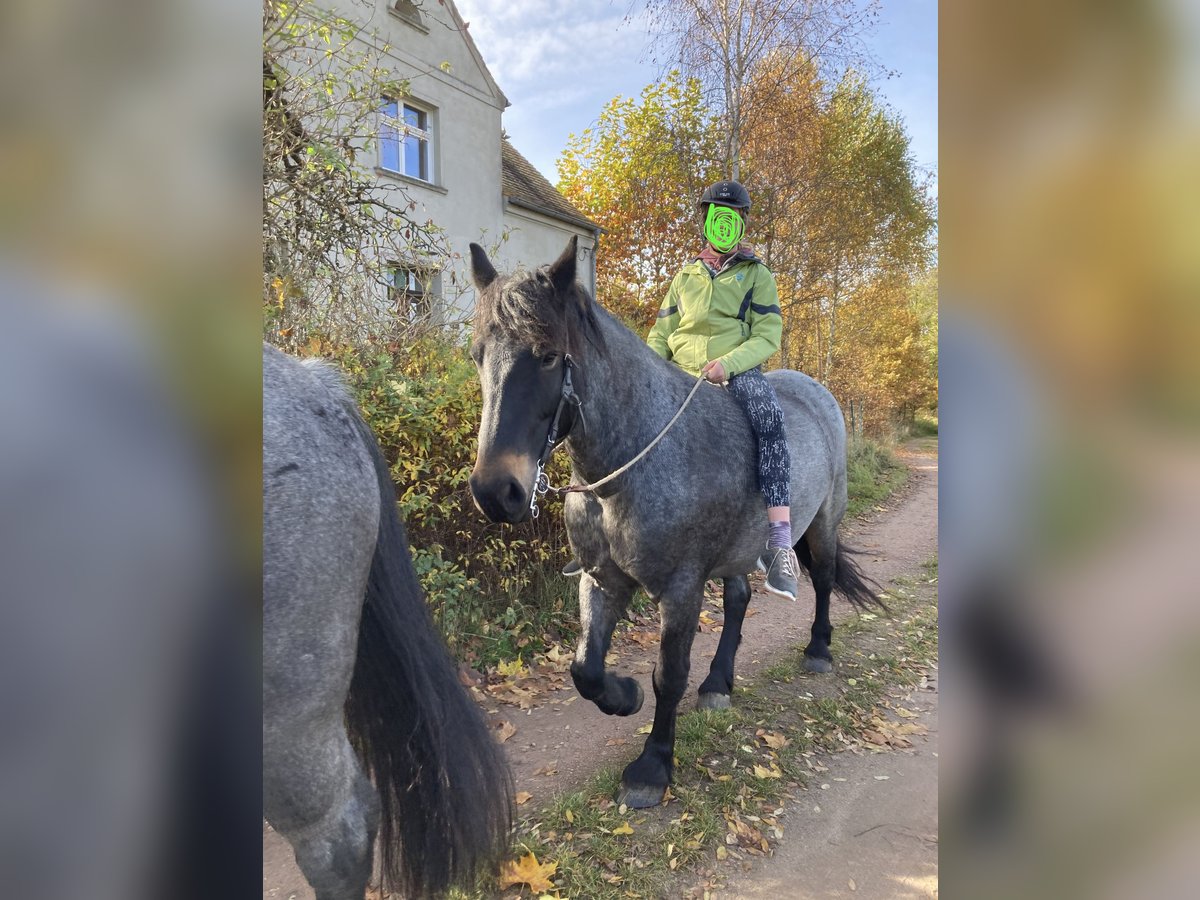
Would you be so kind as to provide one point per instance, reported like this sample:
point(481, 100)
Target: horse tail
point(851, 582)
point(444, 787)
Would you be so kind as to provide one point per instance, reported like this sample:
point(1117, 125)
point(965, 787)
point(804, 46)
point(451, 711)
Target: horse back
point(320, 520)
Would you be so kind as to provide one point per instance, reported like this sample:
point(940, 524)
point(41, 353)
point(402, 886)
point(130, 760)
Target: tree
point(638, 173)
point(330, 228)
point(723, 42)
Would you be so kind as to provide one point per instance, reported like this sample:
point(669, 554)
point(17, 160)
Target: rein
point(542, 485)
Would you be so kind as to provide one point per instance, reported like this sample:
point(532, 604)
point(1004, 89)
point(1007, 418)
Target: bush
point(494, 589)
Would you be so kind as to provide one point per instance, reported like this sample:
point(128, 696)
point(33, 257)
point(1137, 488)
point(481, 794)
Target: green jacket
point(732, 316)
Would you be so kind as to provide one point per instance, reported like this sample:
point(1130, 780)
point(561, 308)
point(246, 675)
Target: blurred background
point(1070, 258)
point(129, 449)
point(130, 289)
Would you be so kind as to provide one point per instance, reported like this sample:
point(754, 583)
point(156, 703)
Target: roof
point(523, 185)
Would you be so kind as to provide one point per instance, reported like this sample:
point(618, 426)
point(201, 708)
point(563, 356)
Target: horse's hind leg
point(715, 691)
point(598, 613)
point(817, 551)
point(317, 797)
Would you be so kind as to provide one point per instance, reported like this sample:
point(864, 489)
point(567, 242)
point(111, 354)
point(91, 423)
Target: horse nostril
point(514, 496)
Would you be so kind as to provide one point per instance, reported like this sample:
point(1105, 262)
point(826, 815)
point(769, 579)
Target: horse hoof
point(818, 665)
point(641, 698)
point(640, 796)
point(713, 701)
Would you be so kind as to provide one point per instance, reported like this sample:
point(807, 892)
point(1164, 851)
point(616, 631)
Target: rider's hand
point(714, 371)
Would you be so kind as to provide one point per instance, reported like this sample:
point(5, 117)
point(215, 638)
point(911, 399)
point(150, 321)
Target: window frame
point(417, 299)
point(401, 130)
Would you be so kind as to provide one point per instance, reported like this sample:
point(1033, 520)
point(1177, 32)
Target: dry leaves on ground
point(527, 870)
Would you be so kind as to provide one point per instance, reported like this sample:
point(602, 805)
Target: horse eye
point(549, 361)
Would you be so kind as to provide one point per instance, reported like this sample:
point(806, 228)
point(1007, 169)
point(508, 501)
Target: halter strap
point(567, 397)
point(541, 484)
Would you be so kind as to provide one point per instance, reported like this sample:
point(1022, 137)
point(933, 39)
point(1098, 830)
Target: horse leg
point(614, 695)
point(316, 796)
point(715, 691)
point(817, 551)
point(644, 781)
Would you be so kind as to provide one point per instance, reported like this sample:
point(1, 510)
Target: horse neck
point(629, 394)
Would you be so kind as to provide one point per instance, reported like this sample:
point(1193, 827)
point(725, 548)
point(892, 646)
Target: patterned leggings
point(757, 397)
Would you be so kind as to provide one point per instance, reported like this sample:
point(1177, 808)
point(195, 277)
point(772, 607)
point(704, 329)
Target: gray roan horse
point(688, 512)
point(356, 680)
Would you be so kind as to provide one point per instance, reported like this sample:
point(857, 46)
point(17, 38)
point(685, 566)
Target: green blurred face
point(724, 227)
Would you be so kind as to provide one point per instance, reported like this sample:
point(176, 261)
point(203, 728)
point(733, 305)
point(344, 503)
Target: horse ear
point(562, 270)
point(482, 271)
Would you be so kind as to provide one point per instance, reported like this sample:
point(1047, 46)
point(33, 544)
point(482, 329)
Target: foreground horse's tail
point(851, 583)
point(849, 579)
point(443, 783)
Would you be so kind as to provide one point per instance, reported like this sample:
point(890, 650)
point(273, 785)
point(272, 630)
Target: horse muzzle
point(501, 492)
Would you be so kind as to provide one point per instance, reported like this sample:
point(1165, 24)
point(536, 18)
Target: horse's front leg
point(645, 780)
point(715, 691)
point(598, 613)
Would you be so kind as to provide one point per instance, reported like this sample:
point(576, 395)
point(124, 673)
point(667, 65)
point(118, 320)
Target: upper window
point(407, 10)
point(405, 139)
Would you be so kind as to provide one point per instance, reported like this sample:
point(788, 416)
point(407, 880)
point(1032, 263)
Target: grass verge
point(872, 475)
point(736, 769)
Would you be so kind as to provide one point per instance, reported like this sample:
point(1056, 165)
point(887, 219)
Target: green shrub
point(493, 588)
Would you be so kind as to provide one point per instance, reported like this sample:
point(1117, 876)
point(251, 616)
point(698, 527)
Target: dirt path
point(563, 739)
point(866, 829)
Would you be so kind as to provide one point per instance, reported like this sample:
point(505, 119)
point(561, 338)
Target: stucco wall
point(465, 197)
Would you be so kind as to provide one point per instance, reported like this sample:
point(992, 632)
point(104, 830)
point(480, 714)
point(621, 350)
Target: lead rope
point(542, 484)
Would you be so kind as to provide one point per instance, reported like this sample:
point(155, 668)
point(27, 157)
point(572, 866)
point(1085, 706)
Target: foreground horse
point(551, 358)
point(355, 677)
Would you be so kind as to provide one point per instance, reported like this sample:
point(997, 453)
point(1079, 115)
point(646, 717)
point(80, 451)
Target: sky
point(560, 63)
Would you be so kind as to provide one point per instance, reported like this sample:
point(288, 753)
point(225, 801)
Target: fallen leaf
point(772, 739)
point(722, 853)
point(852, 885)
point(615, 742)
point(527, 870)
point(505, 730)
point(514, 668)
point(623, 828)
point(547, 769)
point(570, 816)
point(645, 729)
point(523, 797)
point(762, 772)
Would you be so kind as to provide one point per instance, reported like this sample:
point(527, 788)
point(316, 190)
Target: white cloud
point(558, 63)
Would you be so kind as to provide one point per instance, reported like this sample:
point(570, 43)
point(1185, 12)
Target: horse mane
point(525, 309)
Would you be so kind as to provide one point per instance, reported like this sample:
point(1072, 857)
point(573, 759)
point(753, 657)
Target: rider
point(721, 318)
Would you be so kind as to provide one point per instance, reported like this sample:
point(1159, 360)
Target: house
point(443, 143)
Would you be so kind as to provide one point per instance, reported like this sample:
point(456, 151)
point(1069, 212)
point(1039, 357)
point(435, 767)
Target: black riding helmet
point(725, 193)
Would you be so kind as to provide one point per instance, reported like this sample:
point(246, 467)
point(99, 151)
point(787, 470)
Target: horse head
point(529, 329)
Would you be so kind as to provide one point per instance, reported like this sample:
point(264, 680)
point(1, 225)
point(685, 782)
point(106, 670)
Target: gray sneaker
point(781, 566)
